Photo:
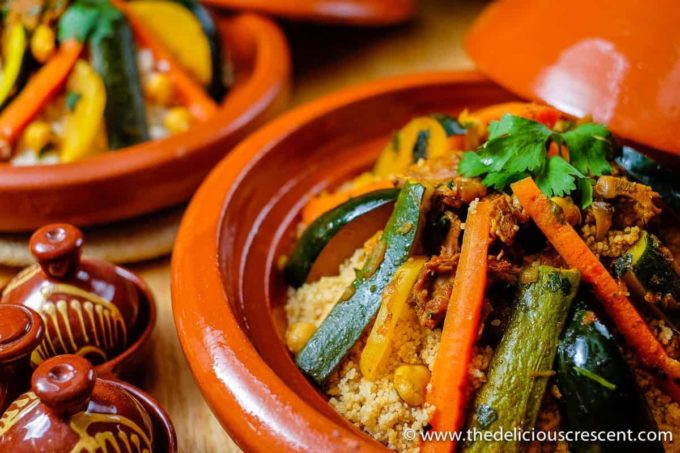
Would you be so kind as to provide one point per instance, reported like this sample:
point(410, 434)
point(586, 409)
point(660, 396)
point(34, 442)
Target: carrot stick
point(37, 92)
point(614, 298)
point(324, 203)
point(199, 103)
point(448, 391)
point(541, 113)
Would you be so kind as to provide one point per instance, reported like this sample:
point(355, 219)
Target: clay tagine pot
point(21, 331)
point(76, 412)
point(89, 308)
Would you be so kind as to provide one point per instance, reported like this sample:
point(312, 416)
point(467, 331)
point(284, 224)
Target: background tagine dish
point(81, 78)
point(509, 268)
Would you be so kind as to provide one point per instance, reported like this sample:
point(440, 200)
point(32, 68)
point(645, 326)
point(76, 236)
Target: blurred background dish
point(100, 187)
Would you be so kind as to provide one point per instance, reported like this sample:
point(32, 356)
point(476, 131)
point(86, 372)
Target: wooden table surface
point(325, 59)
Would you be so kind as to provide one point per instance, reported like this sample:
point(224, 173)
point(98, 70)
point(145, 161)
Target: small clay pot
point(21, 331)
point(79, 412)
point(90, 308)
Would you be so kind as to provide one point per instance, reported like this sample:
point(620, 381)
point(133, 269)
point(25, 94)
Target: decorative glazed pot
point(88, 307)
point(347, 12)
point(79, 412)
point(21, 331)
point(228, 295)
point(160, 173)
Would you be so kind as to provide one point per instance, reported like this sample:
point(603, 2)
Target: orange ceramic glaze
point(615, 59)
point(227, 293)
point(348, 12)
point(156, 174)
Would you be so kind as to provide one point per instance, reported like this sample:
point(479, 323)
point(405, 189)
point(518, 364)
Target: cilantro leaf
point(589, 147)
point(559, 177)
point(515, 145)
point(88, 20)
point(585, 189)
point(518, 147)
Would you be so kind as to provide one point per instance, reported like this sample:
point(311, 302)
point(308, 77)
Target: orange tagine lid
point(617, 60)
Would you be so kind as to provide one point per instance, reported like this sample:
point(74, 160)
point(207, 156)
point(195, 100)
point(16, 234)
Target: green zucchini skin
point(647, 270)
point(319, 232)
point(653, 174)
point(588, 405)
point(114, 57)
point(351, 315)
point(450, 124)
point(216, 88)
point(520, 368)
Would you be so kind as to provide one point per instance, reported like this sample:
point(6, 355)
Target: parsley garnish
point(88, 20)
point(518, 147)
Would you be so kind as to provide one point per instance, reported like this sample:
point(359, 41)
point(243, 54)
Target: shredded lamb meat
point(634, 204)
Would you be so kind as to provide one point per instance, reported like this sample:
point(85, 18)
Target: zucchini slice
point(650, 273)
point(598, 390)
point(523, 361)
point(346, 322)
point(318, 252)
point(217, 87)
point(114, 57)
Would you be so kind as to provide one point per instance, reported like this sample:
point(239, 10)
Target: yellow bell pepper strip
point(394, 305)
point(421, 138)
point(37, 92)
point(610, 292)
point(197, 101)
point(84, 122)
point(14, 48)
point(180, 31)
point(448, 392)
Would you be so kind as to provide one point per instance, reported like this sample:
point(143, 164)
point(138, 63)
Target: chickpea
point(42, 43)
point(298, 334)
point(411, 381)
point(158, 88)
point(572, 214)
point(37, 135)
point(177, 120)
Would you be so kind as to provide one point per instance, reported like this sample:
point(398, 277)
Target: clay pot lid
point(346, 12)
point(616, 60)
point(21, 331)
point(64, 383)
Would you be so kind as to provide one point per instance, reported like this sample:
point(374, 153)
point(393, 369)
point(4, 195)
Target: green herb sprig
point(88, 20)
point(518, 147)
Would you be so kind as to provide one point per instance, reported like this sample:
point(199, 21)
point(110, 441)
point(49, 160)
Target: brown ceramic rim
point(254, 404)
point(346, 12)
point(159, 417)
point(156, 174)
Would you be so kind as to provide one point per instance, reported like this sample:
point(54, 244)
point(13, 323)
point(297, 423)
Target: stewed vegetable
point(160, 61)
point(426, 336)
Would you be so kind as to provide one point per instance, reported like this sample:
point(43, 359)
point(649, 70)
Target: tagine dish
point(80, 78)
point(508, 268)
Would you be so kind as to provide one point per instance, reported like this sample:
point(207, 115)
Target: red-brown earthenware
point(617, 60)
point(227, 293)
point(156, 174)
point(347, 12)
point(21, 331)
point(88, 307)
point(70, 409)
